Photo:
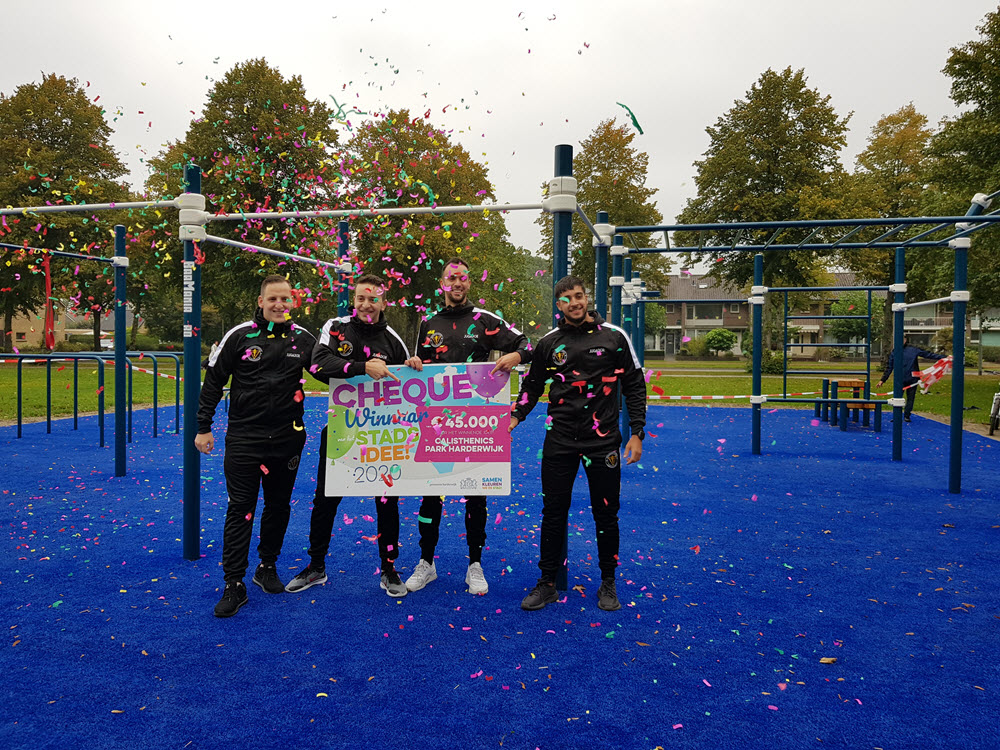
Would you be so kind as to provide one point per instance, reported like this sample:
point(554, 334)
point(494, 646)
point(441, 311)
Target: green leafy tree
point(611, 176)
point(966, 160)
point(263, 145)
point(397, 161)
point(781, 138)
point(856, 304)
point(54, 148)
point(888, 182)
point(720, 340)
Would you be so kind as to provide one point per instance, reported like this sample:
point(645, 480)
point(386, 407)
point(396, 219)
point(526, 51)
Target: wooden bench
point(856, 403)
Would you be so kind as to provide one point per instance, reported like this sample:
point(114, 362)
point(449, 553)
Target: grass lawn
point(33, 384)
point(979, 390)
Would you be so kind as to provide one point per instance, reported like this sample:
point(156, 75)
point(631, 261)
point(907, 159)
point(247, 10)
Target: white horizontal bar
point(269, 251)
point(927, 302)
point(83, 207)
point(343, 214)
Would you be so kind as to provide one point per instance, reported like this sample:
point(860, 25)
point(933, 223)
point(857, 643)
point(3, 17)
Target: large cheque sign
point(442, 431)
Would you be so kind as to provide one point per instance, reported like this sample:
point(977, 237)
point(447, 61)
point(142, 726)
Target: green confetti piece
point(421, 519)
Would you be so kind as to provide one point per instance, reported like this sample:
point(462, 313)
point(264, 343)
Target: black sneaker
point(266, 576)
point(907, 418)
point(392, 584)
point(234, 597)
point(607, 597)
point(543, 593)
point(309, 577)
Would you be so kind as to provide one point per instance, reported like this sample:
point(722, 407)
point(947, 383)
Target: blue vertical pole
point(959, 308)
point(758, 346)
point(120, 262)
point(897, 357)
point(627, 309)
point(343, 250)
point(562, 225)
point(641, 325)
point(192, 386)
point(601, 273)
point(618, 274)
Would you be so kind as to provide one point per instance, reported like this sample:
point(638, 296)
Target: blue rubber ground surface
point(739, 573)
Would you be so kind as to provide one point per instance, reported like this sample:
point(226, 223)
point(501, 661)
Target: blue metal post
point(562, 225)
point(192, 386)
point(618, 274)
point(601, 273)
point(959, 309)
point(758, 345)
point(120, 263)
point(897, 358)
point(343, 250)
point(628, 322)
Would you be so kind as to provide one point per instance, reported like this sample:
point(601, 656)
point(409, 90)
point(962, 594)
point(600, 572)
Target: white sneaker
point(475, 579)
point(423, 574)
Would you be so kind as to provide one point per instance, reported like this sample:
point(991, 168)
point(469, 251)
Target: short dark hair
point(566, 283)
point(370, 278)
point(454, 261)
point(274, 278)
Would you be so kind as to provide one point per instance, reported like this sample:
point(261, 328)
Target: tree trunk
point(8, 335)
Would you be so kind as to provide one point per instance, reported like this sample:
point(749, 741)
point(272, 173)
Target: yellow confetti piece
point(828, 660)
point(116, 711)
point(322, 695)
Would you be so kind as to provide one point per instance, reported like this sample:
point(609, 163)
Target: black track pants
point(475, 526)
point(603, 469)
point(247, 468)
point(324, 515)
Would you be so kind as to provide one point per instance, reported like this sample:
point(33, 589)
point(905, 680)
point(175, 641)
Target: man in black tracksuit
point(265, 358)
point(910, 373)
point(358, 344)
point(584, 361)
point(461, 332)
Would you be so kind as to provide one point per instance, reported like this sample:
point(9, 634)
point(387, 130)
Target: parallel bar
point(837, 346)
point(828, 289)
point(824, 317)
point(76, 207)
point(269, 251)
point(57, 253)
point(586, 221)
point(810, 223)
point(926, 302)
point(827, 372)
point(366, 212)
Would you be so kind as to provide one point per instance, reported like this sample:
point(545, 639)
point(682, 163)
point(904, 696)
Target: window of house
point(734, 307)
point(704, 311)
point(669, 308)
point(20, 336)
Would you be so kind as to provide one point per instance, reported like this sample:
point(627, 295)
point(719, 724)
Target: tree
point(398, 160)
point(966, 159)
point(54, 148)
point(611, 176)
point(888, 182)
point(720, 340)
point(856, 304)
point(263, 146)
point(781, 139)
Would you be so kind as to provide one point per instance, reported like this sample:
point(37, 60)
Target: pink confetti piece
point(773, 708)
point(264, 469)
point(348, 520)
point(678, 726)
point(707, 683)
point(498, 519)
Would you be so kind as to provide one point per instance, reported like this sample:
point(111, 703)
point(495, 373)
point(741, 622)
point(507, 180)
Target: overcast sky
point(510, 80)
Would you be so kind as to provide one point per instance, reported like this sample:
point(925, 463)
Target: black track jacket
point(584, 366)
point(346, 343)
point(265, 361)
point(468, 334)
